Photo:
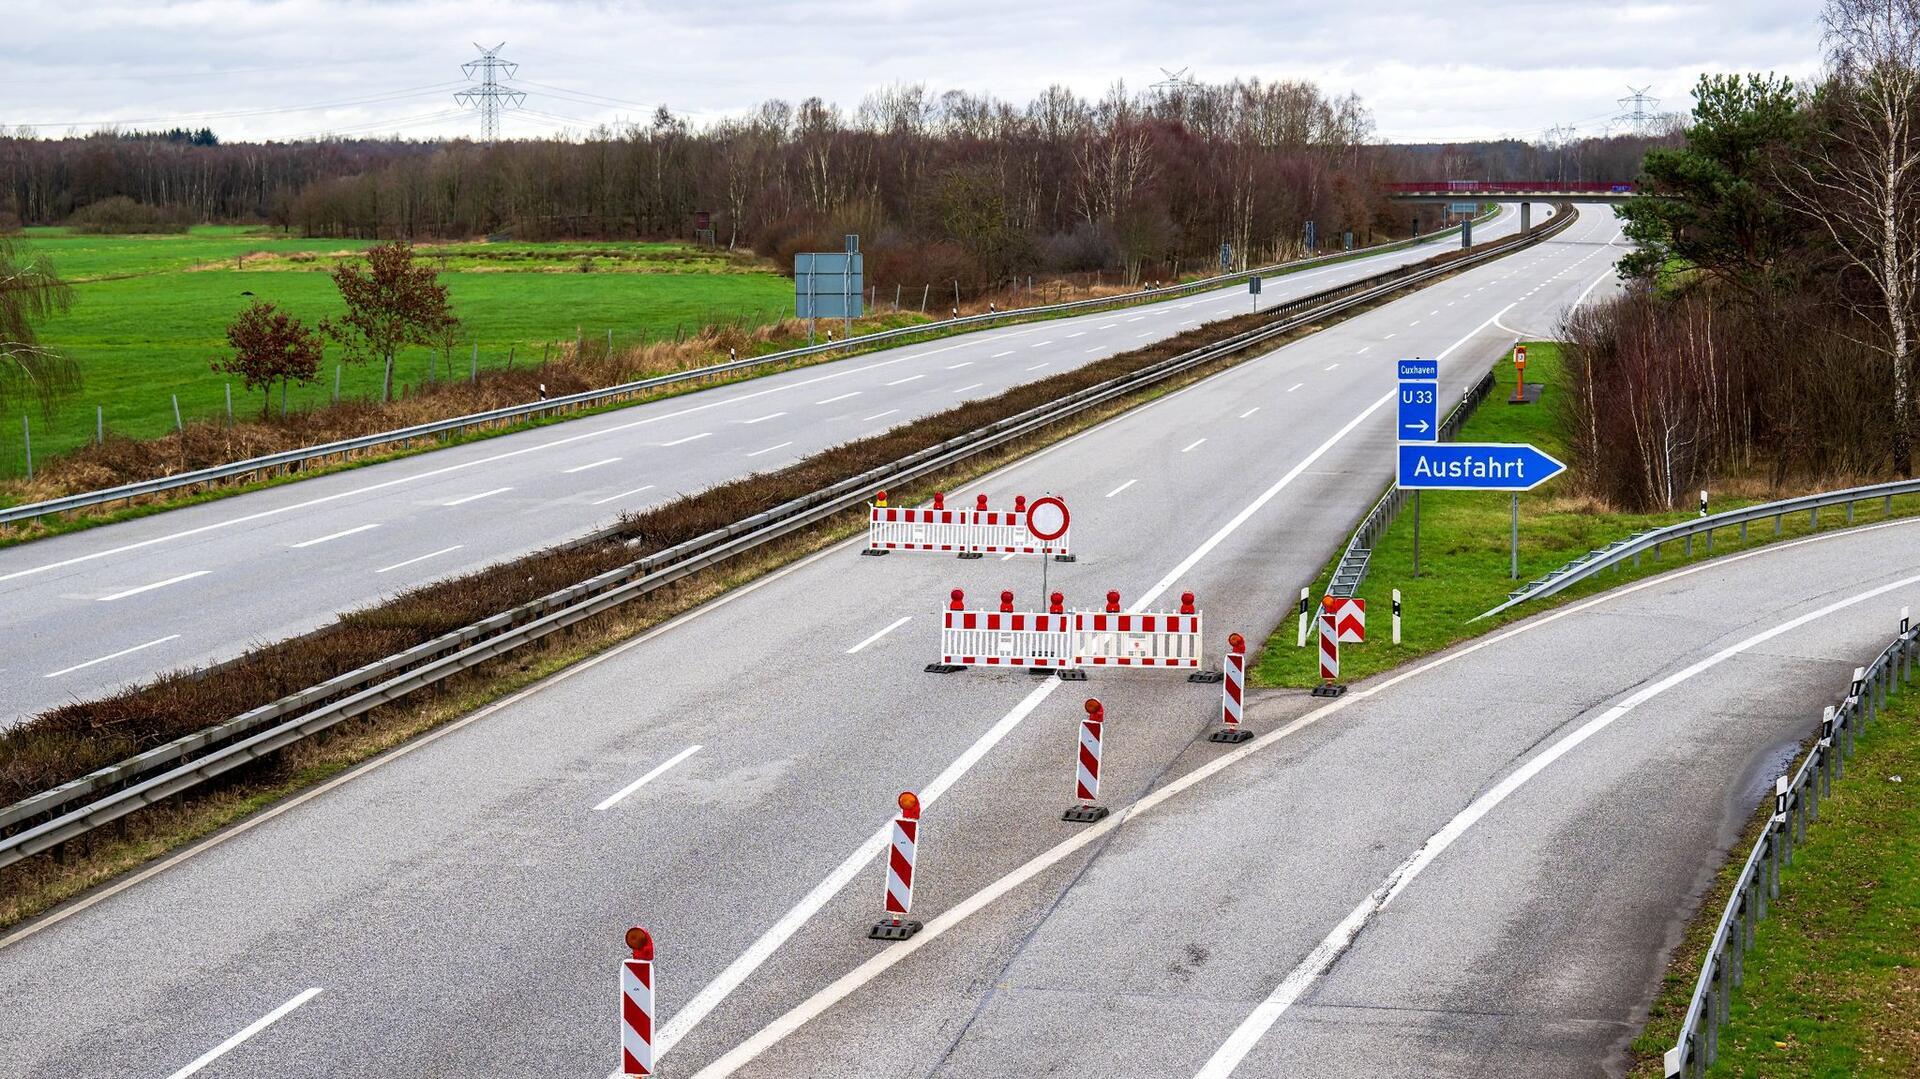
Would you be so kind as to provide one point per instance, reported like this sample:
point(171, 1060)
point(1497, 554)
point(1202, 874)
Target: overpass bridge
point(1512, 190)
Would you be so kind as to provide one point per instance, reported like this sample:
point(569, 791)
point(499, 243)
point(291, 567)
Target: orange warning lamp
point(1186, 603)
point(1006, 602)
point(909, 805)
point(1327, 602)
point(1056, 603)
point(1236, 643)
point(641, 942)
point(959, 600)
point(1113, 602)
point(880, 499)
point(1095, 710)
point(1019, 503)
point(939, 500)
point(980, 503)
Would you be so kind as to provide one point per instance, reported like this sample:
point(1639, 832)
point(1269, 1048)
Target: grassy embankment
point(1832, 986)
point(1464, 545)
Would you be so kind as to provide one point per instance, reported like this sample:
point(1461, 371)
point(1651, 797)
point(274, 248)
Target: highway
point(120, 603)
point(455, 907)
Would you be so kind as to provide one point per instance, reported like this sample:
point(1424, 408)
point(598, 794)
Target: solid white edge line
point(897, 623)
point(116, 655)
point(853, 980)
point(463, 500)
point(1249, 1032)
point(623, 494)
point(879, 415)
point(251, 1029)
point(420, 558)
point(154, 585)
point(658, 771)
point(333, 536)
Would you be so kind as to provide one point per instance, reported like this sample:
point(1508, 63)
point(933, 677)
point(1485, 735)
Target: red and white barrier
point(894, 925)
point(1005, 638)
point(1086, 767)
point(1349, 618)
point(1041, 528)
point(1056, 640)
point(1146, 639)
point(1233, 691)
point(1329, 652)
point(636, 1005)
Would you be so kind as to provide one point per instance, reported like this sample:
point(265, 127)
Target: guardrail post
point(1813, 519)
point(1743, 531)
point(1688, 553)
point(1886, 510)
point(1849, 511)
point(1776, 523)
point(1709, 540)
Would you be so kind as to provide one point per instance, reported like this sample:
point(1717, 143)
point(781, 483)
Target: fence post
point(923, 298)
point(177, 424)
point(336, 383)
point(473, 366)
point(26, 436)
point(99, 425)
point(229, 388)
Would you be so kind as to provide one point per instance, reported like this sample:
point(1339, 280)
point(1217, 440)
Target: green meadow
point(150, 313)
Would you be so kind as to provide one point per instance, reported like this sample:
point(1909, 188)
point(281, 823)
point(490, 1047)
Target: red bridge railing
point(1504, 187)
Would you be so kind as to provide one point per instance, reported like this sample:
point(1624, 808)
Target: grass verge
point(1465, 546)
point(1832, 985)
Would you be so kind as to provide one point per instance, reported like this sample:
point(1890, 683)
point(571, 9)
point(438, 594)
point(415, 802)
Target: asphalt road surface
point(455, 908)
point(117, 604)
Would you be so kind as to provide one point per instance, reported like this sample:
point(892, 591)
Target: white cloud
point(1427, 71)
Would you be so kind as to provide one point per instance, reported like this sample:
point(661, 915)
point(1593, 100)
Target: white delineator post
point(895, 925)
point(1233, 690)
point(1086, 766)
point(1303, 618)
point(636, 1005)
point(1396, 616)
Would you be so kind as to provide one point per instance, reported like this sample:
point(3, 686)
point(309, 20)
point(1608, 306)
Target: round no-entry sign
point(1047, 518)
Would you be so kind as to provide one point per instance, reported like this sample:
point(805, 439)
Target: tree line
point(1771, 322)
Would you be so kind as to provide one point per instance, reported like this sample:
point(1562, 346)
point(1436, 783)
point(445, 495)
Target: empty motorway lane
point(119, 603)
point(456, 907)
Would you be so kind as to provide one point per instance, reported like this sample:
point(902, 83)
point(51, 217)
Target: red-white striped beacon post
point(636, 1005)
point(1086, 766)
point(894, 924)
point(1233, 692)
point(1329, 653)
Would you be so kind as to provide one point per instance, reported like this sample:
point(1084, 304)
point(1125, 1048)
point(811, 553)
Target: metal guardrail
point(292, 460)
point(1354, 560)
point(1796, 804)
point(45, 820)
point(1632, 547)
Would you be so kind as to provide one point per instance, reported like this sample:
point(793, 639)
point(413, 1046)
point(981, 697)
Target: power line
point(490, 97)
point(561, 91)
point(192, 117)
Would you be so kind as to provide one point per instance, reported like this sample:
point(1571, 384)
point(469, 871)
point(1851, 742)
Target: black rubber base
point(1084, 814)
point(892, 929)
point(1532, 394)
point(1066, 558)
point(969, 554)
point(1073, 674)
point(876, 551)
point(1043, 671)
point(1233, 736)
point(1329, 689)
point(1207, 678)
point(944, 668)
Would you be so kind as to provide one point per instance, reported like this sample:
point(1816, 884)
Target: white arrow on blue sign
point(1475, 466)
point(1419, 411)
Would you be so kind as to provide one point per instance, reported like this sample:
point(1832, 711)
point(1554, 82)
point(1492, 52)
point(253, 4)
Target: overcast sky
point(253, 69)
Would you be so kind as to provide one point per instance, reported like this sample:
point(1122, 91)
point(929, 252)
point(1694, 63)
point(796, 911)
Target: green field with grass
point(1465, 552)
point(150, 313)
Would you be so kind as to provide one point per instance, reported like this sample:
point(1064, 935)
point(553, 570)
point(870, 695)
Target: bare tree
point(1860, 175)
point(30, 292)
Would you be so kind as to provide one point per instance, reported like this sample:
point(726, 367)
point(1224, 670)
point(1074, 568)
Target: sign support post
point(1513, 569)
point(1416, 533)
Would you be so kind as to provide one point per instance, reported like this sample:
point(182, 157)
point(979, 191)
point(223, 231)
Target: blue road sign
point(1419, 411)
point(1422, 369)
point(1475, 466)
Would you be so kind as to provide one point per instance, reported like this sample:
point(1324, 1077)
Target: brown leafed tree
point(1860, 177)
point(270, 346)
point(392, 302)
point(30, 292)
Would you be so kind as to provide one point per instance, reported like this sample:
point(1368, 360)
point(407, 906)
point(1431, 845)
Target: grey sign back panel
point(828, 285)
